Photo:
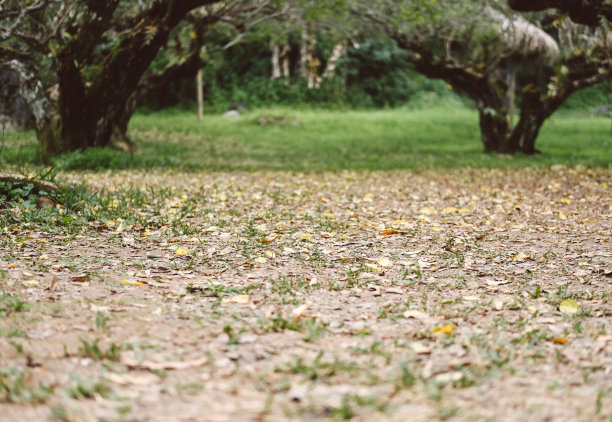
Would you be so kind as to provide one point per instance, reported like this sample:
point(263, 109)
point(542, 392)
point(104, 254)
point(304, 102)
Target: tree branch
point(586, 12)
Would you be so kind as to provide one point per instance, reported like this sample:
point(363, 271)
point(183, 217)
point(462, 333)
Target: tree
point(81, 63)
point(478, 46)
point(587, 12)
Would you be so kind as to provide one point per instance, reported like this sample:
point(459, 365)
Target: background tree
point(476, 46)
point(80, 63)
point(587, 12)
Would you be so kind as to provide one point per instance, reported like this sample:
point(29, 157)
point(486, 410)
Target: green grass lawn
point(327, 140)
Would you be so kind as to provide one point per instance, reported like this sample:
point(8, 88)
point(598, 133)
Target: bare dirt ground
point(472, 295)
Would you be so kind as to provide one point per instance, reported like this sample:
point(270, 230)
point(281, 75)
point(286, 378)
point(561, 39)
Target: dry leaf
point(241, 299)
point(181, 251)
point(390, 232)
point(559, 340)
point(569, 307)
point(158, 366)
point(129, 379)
point(132, 283)
point(300, 311)
point(395, 290)
point(419, 348)
point(54, 283)
point(385, 262)
point(411, 313)
point(447, 329)
point(80, 278)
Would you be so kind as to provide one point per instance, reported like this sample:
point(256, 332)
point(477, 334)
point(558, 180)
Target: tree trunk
point(276, 68)
point(337, 53)
point(200, 94)
point(534, 111)
point(525, 133)
point(494, 129)
point(304, 50)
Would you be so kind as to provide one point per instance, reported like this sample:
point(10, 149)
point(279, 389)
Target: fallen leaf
point(260, 260)
point(181, 251)
point(521, 257)
point(80, 278)
point(242, 299)
point(54, 283)
point(559, 340)
point(132, 283)
point(385, 262)
point(300, 311)
point(412, 313)
point(395, 290)
point(447, 329)
point(128, 379)
point(157, 366)
point(389, 232)
point(419, 348)
point(15, 266)
point(569, 307)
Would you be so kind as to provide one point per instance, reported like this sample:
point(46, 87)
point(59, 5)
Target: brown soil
point(272, 296)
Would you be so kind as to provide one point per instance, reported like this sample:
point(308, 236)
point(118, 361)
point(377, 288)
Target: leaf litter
point(466, 294)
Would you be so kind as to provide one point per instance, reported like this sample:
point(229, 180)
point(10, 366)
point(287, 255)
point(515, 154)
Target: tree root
point(38, 184)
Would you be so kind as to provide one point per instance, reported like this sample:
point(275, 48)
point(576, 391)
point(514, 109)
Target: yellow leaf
point(132, 283)
point(241, 299)
point(464, 210)
point(559, 340)
point(305, 237)
point(565, 201)
point(471, 298)
point(449, 210)
point(385, 262)
point(270, 254)
point(447, 329)
point(521, 257)
point(368, 198)
point(562, 216)
point(181, 251)
point(260, 260)
point(569, 307)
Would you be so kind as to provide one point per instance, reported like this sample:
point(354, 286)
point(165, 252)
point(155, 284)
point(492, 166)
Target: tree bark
point(200, 94)
point(587, 12)
point(494, 130)
point(276, 68)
